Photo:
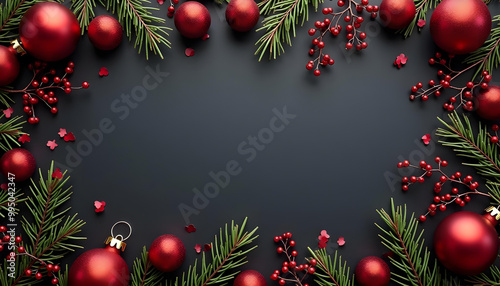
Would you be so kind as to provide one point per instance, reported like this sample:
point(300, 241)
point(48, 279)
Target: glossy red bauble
point(105, 33)
point(460, 26)
point(397, 14)
point(99, 267)
point(488, 103)
point(9, 66)
point(192, 20)
point(466, 243)
point(372, 271)
point(167, 253)
point(242, 15)
point(49, 31)
point(19, 162)
point(250, 278)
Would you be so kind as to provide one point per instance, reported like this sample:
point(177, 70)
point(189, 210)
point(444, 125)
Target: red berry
point(68, 70)
point(67, 84)
point(171, 9)
point(317, 72)
point(55, 281)
point(45, 79)
point(53, 110)
point(274, 276)
point(484, 85)
point(280, 249)
point(444, 163)
point(347, 18)
point(422, 218)
point(284, 269)
point(294, 253)
point(27, 272)
point(67, 90)
point(405, 187)
point(56, 268)
point(282, 282)
point(57, 80)
point(38, 276)
point(311, 270)
point(71, 65)
point(432, 61)
point(442, 208)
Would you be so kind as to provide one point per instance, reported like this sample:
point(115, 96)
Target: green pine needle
point(228, 252)
point(136, 17)
point(143, 272)
point(84, 11)
point(493, 278)
point(5, 98)
point(422, 6)
point(10, 132)
point(280, 23)
point(63, 277)
point(4, 202)
point(487, 58)
point(330, 273)
point(411, 260)
point(11, 13)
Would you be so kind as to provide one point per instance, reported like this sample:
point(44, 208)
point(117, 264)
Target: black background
point(326, 170)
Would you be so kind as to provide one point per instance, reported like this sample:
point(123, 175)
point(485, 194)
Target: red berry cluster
point(441, 200)
point(171, 8)
point(15, 242)
point(43, 86)
point(355, 37)
point(290, 270)
point(463, 97)
point(494, 138)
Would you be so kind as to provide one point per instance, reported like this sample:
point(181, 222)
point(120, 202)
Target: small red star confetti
point(322, 244)
point(207, 247)
point(206, 37)
point(69, 137)
point(189, 52)
point(103, 71)
point(426, 138)
point(4, 186)
point(160, 2)
point(62, 132)
point(400, 60)
point(8, 112)
point(197, 247)
point(341, 241)
point(57, 174)
point(421, 23)
point(190, 228)
point(323, 239)
point(52, 144)
point(24, 138)
point(99, 206)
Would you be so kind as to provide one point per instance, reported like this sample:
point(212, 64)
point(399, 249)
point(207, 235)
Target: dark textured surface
point(325, 170)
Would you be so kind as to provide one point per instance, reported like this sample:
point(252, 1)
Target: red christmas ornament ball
point(99, 267)
point(250, 278)
point(49, 31)
point(192, 19)
point(488, 103)
point(460, 26)
point(466, 243)
point(167, 253)
point(397, 14)
point(9, 66)
point(373, 271)
point(105, 32)
point(242, 15)
point(19, 162)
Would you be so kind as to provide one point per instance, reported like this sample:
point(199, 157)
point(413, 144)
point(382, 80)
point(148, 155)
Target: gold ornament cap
point(18, 47)
point(116, 242)
point(494, 212)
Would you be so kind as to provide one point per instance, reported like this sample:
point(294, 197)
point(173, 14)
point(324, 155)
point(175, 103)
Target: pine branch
point(134, 16)
point(228, 252)
point(63, 277)
point(51, 233)
point(5, 98)
point(421, 10)
point(484, 279)
point(143, 272)
point(280, 25)
point(488, 56)
point(330, 273)
point(10, 132)
point(5, 199)
point(410, 257)
point(84, 11)
point(460, 136)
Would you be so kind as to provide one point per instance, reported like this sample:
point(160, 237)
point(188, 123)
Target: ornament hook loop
point(119, 235)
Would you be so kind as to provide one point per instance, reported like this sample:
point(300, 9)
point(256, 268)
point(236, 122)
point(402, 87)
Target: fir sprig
point(487, 58)
point(143, 272)
point(134, 15)
point(280, 25)
point(331, 272)
point(51, 232)
point(421, 10)
point(10, 131)
point(411, 259)
point(63, 277)
point(493, 278)
point(228, 252)
point(5, 98)
point(84, 11)
point(6, 198)
point(459, 135)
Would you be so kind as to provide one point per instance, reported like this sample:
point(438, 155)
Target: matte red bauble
point(397, 14)
point(9, 66)
point(250, 278)
point(460, 26)
point(488, 103)
point(105, 32)
point(100, 267)
point(466, 243)
point(373, 271)
point(242, 15)
point(167, 252)
point(192, 20)
point(49, 31)
point(19, 162)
